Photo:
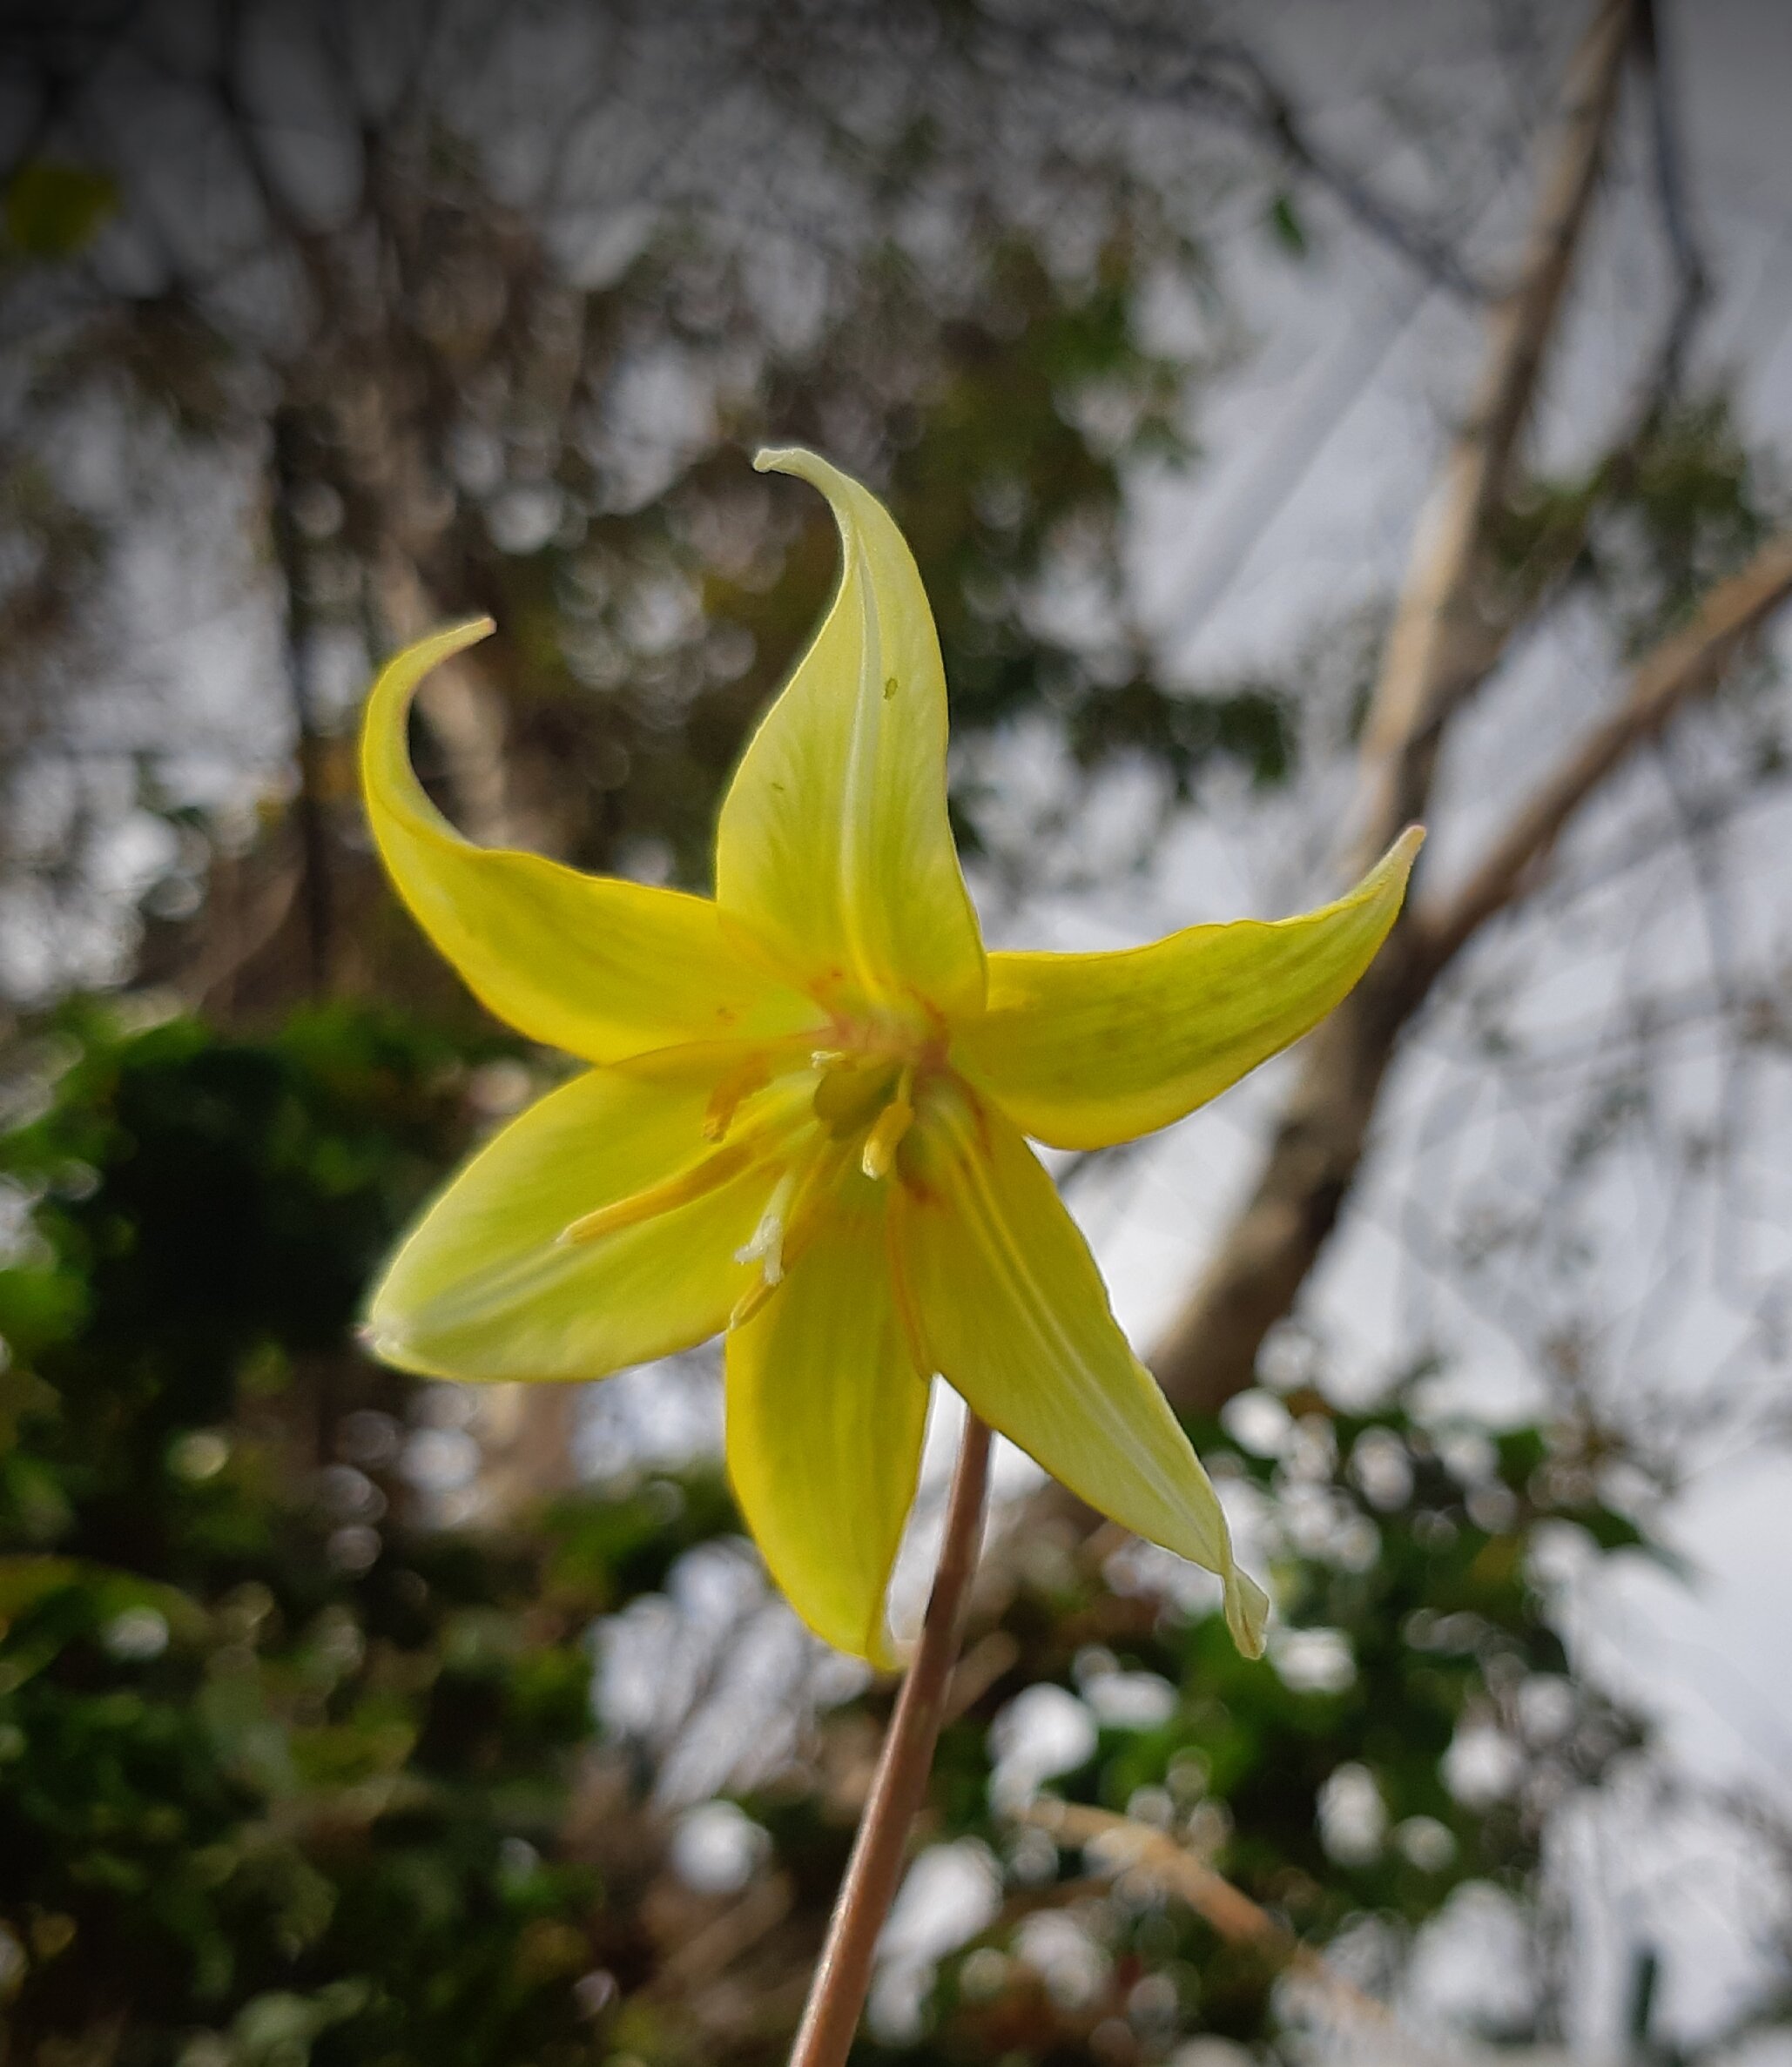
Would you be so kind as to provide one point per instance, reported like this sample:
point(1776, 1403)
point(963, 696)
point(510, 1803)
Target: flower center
point(809, 1121)
point(872, 1095)
point(870, 1083)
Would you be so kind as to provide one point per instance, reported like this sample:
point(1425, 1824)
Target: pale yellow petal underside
point(1085, 1050)
point(483, 1287)
point(826, 1415)
point(598, 966)
point(1008, 1302)
point(834, 850)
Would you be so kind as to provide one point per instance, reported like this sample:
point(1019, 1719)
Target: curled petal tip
point(1409, 842)
point(602, 968)
point(455, 638)
point(834, 849)
point(804, 465)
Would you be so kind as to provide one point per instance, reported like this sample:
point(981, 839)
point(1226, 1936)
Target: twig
point(1694, 289)
point(993, 1653)
point(714, 1948)
point(1266, 104)
point(240, 927)
point(1238, 526)
point(1123, 1844)
point(1167, 65)
point(1440, 646)
point(843, 1975)
point(317, 895)
point(1686, 665)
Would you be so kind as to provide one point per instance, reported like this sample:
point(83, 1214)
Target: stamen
point(887, 1130)
point(705, 1176)
point(728, 1096)
point(768, 1136)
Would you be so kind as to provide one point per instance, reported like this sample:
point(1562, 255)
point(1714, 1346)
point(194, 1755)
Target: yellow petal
point(834, 850)
point(486, 1288)
point(1006, 1299)
point(600, 967)
point(825, 1412)
point(1084, 1050)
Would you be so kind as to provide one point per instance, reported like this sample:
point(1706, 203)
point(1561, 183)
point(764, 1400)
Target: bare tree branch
point(1230, 81)
point(1443, 643)
point(317, 897)
point(1686, 666)
point(1692, 291)
point(1125, 1845)
point(1446, 640)
point(1261, 102)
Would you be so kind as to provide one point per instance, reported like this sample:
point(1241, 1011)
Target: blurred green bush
point(288, 1774)
point(275, 1781)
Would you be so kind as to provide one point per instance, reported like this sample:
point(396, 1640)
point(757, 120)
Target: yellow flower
point(805, 1117)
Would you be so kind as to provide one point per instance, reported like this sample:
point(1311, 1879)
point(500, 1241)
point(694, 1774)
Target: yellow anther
point(887, 1130)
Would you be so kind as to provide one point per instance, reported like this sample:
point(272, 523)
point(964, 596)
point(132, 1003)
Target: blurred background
point(1308, 415)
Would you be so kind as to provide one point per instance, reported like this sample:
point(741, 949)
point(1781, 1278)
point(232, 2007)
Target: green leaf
point(54, 210)
point(1286, 227)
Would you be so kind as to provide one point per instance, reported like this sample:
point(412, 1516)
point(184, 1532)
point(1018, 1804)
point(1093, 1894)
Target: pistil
point(766, 1245)
point(795, 1205)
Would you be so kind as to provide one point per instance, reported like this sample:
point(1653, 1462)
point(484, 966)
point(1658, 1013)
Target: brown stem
point(843, 1974)
point(1442, 644)
point(317, 900)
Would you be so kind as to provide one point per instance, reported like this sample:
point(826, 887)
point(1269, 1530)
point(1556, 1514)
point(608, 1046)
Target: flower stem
point(843, 1975)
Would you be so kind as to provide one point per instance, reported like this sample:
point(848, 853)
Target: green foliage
point(1286, 225)
point(1249, 725)
point(282, 1769)
point(1321, 1780)
point(1686, 509)
point(288, 1776)
point(1651, 528)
